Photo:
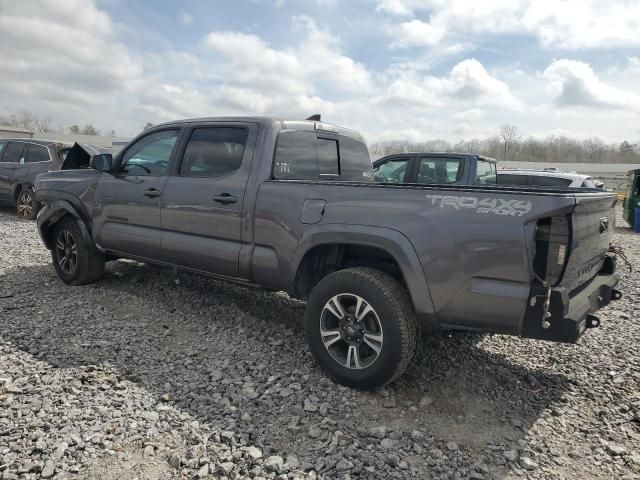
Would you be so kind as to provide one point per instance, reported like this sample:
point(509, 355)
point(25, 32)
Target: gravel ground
point(144, 375)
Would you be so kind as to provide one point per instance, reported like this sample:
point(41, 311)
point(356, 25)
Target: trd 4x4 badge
point(493, 205)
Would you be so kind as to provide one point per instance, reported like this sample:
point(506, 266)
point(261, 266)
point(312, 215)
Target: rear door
point(128, 216)
point(202, 203)
point(12, 156)
point(36, 160)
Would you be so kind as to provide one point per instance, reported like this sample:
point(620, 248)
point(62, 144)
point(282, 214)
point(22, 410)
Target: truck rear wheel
point(76, 261)
point(361, 327)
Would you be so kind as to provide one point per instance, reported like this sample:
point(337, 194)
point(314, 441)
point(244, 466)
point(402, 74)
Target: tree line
point(34, 123)
point(509, 144)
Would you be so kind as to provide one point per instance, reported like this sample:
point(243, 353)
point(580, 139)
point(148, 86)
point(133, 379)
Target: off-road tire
point(89, 266)
point(393, 306)
point(27, 207)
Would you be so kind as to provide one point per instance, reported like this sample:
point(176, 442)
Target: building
point(115, 143)
point(14, 132)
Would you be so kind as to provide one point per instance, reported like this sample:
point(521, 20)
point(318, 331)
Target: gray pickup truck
point(292, 205)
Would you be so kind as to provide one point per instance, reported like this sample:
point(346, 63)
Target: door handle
point(152, 192)
point(225, 198)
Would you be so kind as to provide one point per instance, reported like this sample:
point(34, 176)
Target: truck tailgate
point(592, 225)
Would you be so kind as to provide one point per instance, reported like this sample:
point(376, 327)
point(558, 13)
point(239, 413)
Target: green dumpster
point(632, 198)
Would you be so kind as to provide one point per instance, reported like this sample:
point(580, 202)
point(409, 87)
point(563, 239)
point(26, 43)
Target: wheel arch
point(322, 251)
point(53, 214)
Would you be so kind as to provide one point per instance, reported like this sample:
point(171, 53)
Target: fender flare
point(389, 240)
point(53, 212)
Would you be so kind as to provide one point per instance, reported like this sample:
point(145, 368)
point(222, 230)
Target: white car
point(547, 178)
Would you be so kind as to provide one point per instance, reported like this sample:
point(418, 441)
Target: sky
point(391, 69)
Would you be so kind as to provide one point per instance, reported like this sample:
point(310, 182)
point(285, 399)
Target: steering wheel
point(129, 167)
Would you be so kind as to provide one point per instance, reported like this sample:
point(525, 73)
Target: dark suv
point(20, 161)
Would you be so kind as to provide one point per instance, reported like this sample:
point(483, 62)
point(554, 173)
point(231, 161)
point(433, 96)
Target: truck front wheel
point(76, 260)
point(361, 327)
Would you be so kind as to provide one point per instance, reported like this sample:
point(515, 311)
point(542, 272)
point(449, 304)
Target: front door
point(128, 201)
point(203, 197)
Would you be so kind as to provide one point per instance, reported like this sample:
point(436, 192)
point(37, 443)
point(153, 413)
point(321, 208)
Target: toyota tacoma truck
point(293, 206)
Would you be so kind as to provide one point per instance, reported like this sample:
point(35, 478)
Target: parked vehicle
point(632, 198)
point(21, 159)
point(435, 169)
point(291, 205)
point(547, 178)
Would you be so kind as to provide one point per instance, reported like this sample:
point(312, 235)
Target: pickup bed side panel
point(472, 245)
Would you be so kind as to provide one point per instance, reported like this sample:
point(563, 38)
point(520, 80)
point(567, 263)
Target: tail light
point(552, 248)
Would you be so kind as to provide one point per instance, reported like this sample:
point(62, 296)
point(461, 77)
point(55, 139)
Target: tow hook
point(592, 321)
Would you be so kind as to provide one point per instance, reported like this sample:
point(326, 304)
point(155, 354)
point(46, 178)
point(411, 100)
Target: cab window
point(391, 171)
point(214, 151)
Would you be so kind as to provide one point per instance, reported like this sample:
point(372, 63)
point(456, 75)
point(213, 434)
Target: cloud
point(186, 19)
point(395, 7)
point(577, 85)
point(57, 57)
point(316, 61)
point(468, 84)
point(417, 33)
point(568, 24)
point(68, 61)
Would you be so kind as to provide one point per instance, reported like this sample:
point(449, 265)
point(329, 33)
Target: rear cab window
point(439, 170)
point(308, 155)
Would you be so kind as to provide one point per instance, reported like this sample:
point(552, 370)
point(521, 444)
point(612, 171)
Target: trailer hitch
point(547, 303)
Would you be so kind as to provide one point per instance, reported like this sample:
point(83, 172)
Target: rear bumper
point(571, 315)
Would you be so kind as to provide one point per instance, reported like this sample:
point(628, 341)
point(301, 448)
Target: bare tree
point(89, 130)
point(510, 136)
point(74, 130)
point(594, 148)
point(28, 121)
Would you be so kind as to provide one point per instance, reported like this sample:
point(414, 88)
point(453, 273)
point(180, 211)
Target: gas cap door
point(312, 210)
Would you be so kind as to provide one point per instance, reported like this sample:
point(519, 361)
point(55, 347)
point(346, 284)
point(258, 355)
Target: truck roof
point(285, 124)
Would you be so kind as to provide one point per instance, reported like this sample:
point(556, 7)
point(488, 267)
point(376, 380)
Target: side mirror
point(102, 162)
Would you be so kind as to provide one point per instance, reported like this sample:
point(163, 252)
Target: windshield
point(392, 171)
